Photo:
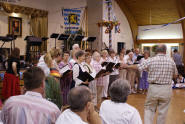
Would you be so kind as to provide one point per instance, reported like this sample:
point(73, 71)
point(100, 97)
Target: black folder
point(104, 64)
point(110, 66)
point(117, 65)
point(84, 76)
point(100, 73)
point(139, 57)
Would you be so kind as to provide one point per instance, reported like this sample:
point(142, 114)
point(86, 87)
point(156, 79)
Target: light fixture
point(15, 14)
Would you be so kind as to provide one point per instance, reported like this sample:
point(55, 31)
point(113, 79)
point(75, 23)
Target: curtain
point(39, 28)
point(39, 19)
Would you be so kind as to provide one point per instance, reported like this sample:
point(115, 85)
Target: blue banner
point(72, 19)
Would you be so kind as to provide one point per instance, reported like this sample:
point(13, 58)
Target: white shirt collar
point(33, 94)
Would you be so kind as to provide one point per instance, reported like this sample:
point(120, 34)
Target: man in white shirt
point(81, 108)
point(116, 110)
point(30, 108)
point(161, 70)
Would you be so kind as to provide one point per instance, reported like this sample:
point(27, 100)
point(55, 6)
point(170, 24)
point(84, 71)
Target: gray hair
point(147, 52)
point(161, 48)
point(79, 54)
point(95, 54)
point(78, 98)
point(119, 90)
point(75, 46)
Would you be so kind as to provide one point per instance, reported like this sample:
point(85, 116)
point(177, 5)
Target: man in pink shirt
point(30, 108)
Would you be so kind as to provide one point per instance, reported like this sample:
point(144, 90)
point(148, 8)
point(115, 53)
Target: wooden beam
point(131, 20)
point(181, 11)
point(161, 41)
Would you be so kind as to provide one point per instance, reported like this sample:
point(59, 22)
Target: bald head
point(161, 48)
point(78, 98)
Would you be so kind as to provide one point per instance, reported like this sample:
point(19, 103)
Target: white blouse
point(76, 71)
point(121, 113)
point(115, 60)
point(69, 117)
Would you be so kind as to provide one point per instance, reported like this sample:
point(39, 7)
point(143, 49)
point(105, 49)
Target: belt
point(159, 84)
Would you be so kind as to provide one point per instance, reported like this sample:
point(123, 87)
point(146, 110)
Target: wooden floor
point(176, 114)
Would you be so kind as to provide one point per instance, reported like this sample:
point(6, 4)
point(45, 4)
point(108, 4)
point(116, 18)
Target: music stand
point(13, 37)
point(44, 39)
point(54, 35)
point(63, 37)
point(6, 39)
point(91, 40)
point(78, 38)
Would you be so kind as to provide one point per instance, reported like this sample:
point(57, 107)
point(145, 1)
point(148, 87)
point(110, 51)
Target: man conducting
point(161, 69)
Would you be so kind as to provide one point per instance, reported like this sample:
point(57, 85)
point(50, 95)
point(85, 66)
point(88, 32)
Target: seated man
point(81, 108)
point(30, 108)
point(116, 110)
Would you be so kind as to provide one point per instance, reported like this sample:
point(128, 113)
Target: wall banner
point(71, 20)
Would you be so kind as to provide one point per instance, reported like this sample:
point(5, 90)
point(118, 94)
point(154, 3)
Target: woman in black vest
point(78, 68)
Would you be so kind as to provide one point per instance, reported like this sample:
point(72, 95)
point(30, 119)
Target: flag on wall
point(71, 20)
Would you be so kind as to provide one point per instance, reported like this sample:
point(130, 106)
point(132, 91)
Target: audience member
point(49, 64)
point(30, 108)
point(116, 110)
point(11, 83)
point(50, 60)
point(81, 108)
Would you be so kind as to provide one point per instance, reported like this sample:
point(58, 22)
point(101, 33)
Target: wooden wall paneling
point(131, 20)
point(149, 12)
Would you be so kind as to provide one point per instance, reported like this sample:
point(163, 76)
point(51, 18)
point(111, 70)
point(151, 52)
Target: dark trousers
point(112, 78)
